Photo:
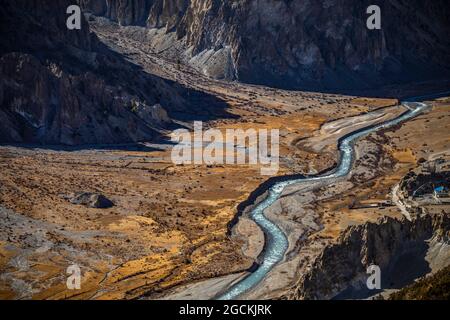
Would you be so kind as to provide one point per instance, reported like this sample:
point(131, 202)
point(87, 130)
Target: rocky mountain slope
point(435, 287)
point(404, 250)
point(300, 44)
point(60, 86)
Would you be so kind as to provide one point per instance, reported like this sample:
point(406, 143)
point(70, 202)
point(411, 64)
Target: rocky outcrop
point(404, 250)
point(60, 86)
point(310, 44)
point(91, 200)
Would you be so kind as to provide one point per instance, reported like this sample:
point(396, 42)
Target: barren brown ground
point(168, 227)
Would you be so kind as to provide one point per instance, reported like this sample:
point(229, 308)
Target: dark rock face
point(125, 12)
point(40, 25)
point(323, 44)
point(398, 247)
point(64, 87)
point(314, 44)
point(128, 12)
point(167, 14)
point(94, 6)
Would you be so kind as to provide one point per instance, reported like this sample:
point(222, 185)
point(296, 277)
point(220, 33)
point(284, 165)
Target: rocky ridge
point(404, 250)
point(60, 86)
point(299, 44)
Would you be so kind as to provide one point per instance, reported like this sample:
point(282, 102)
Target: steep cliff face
point(63, 86)
point(323, 44)
point(125, 12)
point(167, 14)
point(154, 13)
point(404, 250)
point(41, 26)
point(128, 12)
point(314, 44)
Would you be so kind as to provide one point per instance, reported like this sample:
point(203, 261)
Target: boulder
point(91, 200)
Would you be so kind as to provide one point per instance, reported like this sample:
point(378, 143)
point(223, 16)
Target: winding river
point(276, 241)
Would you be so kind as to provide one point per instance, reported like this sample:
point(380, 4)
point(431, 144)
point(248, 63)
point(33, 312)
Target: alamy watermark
point(74, 280)
point(374, 20)
point(73, 22)
point(236, 146)
point(374, 280)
